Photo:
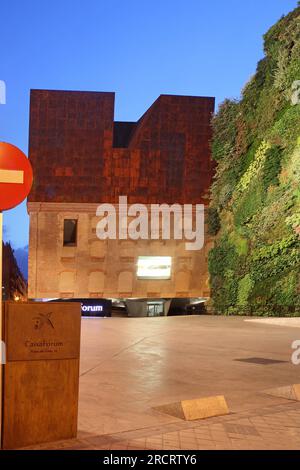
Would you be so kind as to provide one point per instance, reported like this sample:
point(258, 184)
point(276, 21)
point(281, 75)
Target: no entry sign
point(15, 176)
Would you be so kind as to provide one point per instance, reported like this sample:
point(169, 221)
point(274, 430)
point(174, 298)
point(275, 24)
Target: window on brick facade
point(70, 232)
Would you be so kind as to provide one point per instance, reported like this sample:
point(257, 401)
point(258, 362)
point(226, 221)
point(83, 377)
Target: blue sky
point(137, 48)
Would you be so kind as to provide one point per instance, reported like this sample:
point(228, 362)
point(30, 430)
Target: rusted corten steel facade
point(82, 158)
point(80, 155)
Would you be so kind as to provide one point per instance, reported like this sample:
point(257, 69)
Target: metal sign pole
point(1, 328)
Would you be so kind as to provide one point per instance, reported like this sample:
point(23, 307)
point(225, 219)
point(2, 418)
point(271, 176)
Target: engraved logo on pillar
point(43, 319)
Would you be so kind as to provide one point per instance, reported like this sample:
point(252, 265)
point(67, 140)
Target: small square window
point(70, 232)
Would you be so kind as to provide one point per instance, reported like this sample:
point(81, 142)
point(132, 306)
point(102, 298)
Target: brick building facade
point(81, 157)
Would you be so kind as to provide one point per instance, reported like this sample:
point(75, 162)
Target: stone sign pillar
point(41, 374)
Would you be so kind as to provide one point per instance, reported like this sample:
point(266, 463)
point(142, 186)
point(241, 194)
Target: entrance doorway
point(155, 309)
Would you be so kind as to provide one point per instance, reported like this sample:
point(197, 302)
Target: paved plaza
point(130, 366)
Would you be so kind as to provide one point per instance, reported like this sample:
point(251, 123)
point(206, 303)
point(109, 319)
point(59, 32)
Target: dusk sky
point(139, 49)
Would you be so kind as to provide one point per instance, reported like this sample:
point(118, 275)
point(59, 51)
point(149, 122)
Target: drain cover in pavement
point(240, 429)
point(260, 360)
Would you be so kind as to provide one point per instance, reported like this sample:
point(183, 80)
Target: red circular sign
point(15, 176)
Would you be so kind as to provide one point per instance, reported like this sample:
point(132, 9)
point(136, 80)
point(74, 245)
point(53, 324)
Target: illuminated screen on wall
point(154, 267)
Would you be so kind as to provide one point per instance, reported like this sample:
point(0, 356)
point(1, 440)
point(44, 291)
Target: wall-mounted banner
point(91, 307)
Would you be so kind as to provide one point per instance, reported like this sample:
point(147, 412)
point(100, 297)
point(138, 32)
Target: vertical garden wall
point(255, 208)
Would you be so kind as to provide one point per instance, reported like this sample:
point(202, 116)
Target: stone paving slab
point(130, 366)
point(275, 427)
point(292, 322)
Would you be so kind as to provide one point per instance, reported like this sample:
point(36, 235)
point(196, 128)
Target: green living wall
point(255, 208)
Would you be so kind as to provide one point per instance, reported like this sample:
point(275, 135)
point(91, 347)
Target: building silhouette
point(14, 286)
